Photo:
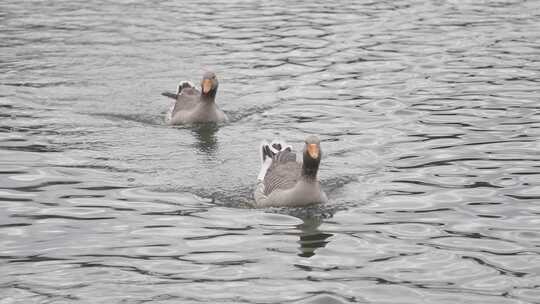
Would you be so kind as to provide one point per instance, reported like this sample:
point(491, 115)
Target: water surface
point(429, 119)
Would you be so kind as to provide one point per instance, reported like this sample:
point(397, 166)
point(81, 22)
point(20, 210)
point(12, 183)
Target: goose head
point(209, 85)
point(311, 156)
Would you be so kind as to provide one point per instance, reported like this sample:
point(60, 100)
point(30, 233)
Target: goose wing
point(283, 173)
point(187, 98)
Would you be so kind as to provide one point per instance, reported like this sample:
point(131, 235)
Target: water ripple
point(428, 118)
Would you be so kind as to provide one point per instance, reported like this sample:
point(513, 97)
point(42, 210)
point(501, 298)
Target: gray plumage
point(194, 106)
point(283, 181)
point(283, 173)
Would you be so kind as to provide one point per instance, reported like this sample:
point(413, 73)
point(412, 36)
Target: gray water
point(428, 113)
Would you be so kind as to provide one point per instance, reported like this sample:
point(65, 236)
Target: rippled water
point(428, 112)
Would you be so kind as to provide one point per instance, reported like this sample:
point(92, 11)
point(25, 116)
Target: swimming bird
point(285, 182)
point(193, 106)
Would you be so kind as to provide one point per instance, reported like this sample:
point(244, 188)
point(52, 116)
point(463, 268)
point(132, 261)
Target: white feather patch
point(261, 153)
point(282, 143)
point(184, 83)
point(266, 164)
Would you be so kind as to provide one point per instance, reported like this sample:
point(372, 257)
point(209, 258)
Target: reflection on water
point(205, 134)
point(311, 238)
point(427, 111)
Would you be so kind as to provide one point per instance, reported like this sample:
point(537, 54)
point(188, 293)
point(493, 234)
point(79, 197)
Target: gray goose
point(285, 182)
point(192, 106)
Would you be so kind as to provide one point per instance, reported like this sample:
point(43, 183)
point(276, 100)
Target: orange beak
point(206, 86)
point(313, 150)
